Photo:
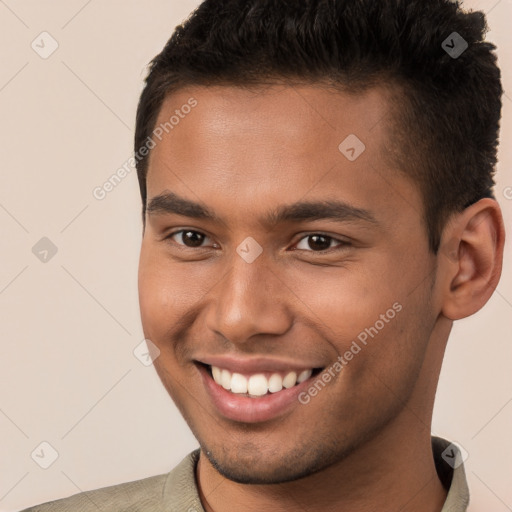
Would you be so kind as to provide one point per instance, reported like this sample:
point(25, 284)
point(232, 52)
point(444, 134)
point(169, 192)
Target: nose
point(249, 300)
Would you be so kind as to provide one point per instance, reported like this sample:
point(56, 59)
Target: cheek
point(160, 302)
point(171, 296)
point(391, 357)
point(377, 320)
point(345, 301)
point(165, 291)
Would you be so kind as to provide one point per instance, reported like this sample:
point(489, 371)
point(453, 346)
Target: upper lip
point(255, 364)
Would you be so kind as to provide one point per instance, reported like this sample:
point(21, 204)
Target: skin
point(363, 443)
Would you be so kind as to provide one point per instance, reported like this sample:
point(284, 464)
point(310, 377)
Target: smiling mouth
point(256, 385)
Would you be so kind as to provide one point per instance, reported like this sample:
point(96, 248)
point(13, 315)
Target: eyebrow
point(170, 203)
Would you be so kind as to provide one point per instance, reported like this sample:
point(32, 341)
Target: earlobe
point(471, 255)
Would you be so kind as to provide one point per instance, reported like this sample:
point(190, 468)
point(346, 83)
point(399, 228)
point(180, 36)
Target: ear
point(470, 258)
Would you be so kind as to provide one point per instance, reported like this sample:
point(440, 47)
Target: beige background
point(69, 326)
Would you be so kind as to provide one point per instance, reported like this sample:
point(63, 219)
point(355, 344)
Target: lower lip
point(245, 409)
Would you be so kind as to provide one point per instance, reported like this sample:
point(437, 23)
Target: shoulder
point(144, 495)
point(176, 489)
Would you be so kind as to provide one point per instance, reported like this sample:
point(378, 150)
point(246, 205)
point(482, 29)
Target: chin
point(251, 465)
point(276, 474)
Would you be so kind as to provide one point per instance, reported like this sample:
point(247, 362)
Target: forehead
point(275, 143)
point(314, 102)
point(278, 116)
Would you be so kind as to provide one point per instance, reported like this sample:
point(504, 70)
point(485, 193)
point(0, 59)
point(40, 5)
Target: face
point(273, 257)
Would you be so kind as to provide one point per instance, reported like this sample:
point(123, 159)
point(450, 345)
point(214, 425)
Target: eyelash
point(342, 243)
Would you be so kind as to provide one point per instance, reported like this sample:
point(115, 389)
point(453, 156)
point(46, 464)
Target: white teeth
point(225, 379)
point(238, 383)
point(304, 376)
point(216, 372)
point(257, 384)
point(275, 383)
point(290, 380)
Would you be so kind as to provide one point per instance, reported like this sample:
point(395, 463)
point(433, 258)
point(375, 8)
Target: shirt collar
point(450, 469)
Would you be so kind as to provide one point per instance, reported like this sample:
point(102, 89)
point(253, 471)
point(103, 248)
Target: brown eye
point(318, 242)
point(188, 237)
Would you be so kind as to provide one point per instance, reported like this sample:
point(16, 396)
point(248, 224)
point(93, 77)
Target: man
point(316, 179)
